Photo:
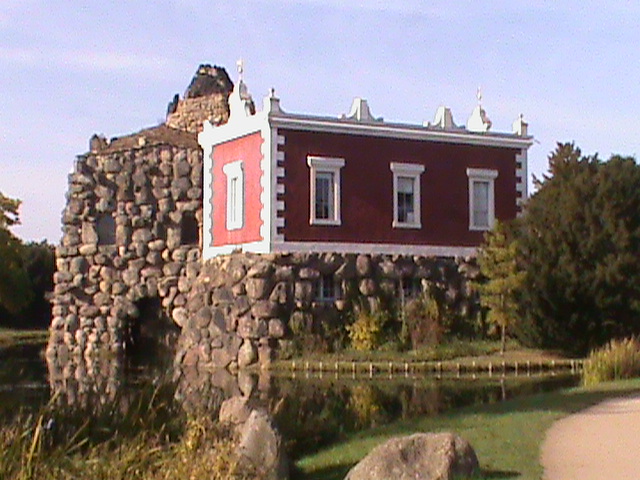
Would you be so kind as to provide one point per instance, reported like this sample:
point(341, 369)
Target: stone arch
point(148, 331)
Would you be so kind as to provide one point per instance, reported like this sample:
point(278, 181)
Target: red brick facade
point(367, 188)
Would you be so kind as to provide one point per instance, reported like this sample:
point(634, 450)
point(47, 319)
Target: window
point(481, 198)
point(189, 230)
point(326, 289)
point(411, 287)
point(106, 228)
point(406, 195)
point(235, 194)
point(325, 190)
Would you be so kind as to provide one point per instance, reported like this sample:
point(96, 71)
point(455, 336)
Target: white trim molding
point(252, 247)
point(277, 176)
point(207, 197)
point(411, 171)
point(398, 130)
point(522, 179)
point(330, 167)
point(479, 176)
point(374, 249)
point(234, 172)
point(268, 183)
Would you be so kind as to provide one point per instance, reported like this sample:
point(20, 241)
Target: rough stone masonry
point(131, 224)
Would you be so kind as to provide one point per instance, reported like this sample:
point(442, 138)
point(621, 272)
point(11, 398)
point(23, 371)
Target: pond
point(310, 411)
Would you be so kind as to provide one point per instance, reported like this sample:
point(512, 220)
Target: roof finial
point(479, 95)
point(240, 66)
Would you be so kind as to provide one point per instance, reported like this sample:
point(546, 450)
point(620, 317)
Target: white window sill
point(475, 228)
point(325, 222)
point(397, 224)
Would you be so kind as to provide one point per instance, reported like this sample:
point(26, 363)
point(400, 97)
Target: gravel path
point(600, 443)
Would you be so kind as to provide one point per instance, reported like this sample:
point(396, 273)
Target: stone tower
point(131, 225)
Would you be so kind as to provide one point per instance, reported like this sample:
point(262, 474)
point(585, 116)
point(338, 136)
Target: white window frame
point(413, 171)
point(333, 166)
point(488, 176)
point(235, 198)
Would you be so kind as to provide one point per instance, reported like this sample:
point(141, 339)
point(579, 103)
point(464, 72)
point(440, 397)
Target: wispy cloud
point(83, 60)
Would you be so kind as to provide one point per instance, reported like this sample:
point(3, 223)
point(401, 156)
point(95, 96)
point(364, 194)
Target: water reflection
point(310, 412)
point(316, 412)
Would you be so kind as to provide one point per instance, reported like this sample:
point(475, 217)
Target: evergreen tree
point(580, 239)
point(497, 259)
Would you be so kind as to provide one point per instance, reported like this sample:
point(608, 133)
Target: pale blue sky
point(73, 68)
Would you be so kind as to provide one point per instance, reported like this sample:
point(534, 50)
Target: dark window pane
point(405, 200)
point(189, 229)
point(324, 196)
point(106, 226)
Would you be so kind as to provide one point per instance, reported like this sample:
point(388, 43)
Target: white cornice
point(215, 135)
point(396, 130)
point(373, 249)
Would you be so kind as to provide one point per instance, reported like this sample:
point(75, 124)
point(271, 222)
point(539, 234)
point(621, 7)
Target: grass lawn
point(459, 350)
point(506, 436)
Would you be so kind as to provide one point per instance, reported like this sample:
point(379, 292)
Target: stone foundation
point(245, 309)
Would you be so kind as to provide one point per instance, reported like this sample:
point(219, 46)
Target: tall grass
point(147, 438)
point(617, 360)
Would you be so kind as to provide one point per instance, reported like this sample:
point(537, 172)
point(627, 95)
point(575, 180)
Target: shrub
point(366, 332)
point(426, 319)
point(618, 359)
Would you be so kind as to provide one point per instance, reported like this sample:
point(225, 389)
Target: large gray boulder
point(422, 456)
point(262, 446)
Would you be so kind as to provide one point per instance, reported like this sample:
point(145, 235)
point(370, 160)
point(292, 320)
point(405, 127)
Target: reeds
point(147, 439)
point(619, 359)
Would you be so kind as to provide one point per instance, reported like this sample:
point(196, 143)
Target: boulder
point(247, 355)
point(262, 446)
point(258, 288)
point(422, 456)
point(235, 410)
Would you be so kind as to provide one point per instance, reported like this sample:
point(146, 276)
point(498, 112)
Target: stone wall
point(245, 308)
point(104, 268)
point(131, 225)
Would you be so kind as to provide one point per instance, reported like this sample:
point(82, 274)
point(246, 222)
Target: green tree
point(497, 259)
point(580, 239)
point(39, 264)
point(14, 283)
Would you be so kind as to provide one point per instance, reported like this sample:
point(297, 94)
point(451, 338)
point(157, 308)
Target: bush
point(426, 319)
point(366, 332)
point(617, 360)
